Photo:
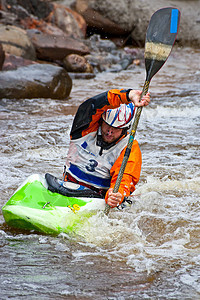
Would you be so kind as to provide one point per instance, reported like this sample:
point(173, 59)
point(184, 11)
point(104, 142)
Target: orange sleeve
point(117, 97)
point(131, 174)
point(89, 112)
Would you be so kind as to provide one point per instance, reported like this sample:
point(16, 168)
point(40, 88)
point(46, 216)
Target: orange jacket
point(87, 120)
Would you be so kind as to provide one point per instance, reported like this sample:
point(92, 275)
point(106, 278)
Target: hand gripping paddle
point(160, 37)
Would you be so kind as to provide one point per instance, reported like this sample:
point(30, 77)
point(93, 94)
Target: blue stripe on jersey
point(90, 179)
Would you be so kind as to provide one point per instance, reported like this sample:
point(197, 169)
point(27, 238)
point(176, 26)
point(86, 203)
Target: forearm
point(131, 174)
point(127, 186)
point(90, 111)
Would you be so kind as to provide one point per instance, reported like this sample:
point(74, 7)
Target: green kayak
point(34, 207)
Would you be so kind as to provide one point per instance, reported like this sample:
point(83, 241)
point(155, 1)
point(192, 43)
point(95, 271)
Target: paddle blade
point(160, 37)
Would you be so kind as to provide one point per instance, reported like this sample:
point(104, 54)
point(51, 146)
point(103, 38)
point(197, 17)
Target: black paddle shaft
point(160, 37)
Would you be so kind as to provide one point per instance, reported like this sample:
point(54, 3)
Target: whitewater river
point(151, 251)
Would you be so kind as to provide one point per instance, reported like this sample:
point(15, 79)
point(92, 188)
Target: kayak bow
point(34, 207)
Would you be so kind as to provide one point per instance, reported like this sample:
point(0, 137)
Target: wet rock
point(70, 22)
point(35, 81)
point(15, 41)
point(105, 56)
point(39, 12)
point(2, 57)
point(23, 8)
point(98, 44)
point(189, 30)
point(77, 63)
point(82, 75)
point(53, 47)
point(80, 21)
point(13, 62)
point(40, 25)
point(8, 18)
point(134, 16)
point(97, 21)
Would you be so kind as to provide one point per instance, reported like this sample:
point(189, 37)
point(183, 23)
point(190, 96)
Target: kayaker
point(98, 140)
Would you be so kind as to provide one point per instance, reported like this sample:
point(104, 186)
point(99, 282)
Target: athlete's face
point(109, 133)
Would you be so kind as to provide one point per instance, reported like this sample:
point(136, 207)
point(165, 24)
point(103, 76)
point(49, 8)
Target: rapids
point(151, 251)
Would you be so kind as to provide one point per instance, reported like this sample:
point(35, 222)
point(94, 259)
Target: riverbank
point(80, 39)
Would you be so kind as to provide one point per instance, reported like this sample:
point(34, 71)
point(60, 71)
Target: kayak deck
point(34, 207)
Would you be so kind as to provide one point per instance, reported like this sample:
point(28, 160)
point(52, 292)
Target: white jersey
point(85, 163)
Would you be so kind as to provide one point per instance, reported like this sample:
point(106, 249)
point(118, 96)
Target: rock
point(24, 8)
point(52, 47)
point(189, 31)
point(82, 75)
point(8, 18)
point(40, 25)
point(13, 62)
point(16, 41)
point(97, 21)
point(43, 11)
point(77, 63)
point(2, 57)
point(105, 56)
point(70, 22)
point(137, 62)
point(80, 20)
point(134, 16)
point(35, 81)
point(68, 3)
point(97, 44)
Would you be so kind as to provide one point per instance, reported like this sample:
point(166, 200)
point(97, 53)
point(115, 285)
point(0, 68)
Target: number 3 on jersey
point(92, 165)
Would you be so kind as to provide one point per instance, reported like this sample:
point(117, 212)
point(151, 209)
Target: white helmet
point(119, 117)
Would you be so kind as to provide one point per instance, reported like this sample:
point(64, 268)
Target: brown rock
point(77, 63)
point(82, 75)
point(52, 47)
point(80, 20)
point(2, 57)
point(13, 62)
point(70, 22)
point(16, 41)
point(40, 25)
point(97, 21)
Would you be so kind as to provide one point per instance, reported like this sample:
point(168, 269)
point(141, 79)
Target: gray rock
point(96, 20)
point(134, 16)
point(35, 81)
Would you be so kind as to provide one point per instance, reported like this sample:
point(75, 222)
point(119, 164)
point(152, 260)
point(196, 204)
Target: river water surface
point(151, 251)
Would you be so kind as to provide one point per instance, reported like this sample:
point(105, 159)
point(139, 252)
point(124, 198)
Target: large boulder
point(53, 47)
point(189, 31)
point(134, 16)
point(39, 12)
point(23, 8)
point(12, 62)
point(68, 20)
point(35, 81)
point(15, 41)
point(96, 21)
